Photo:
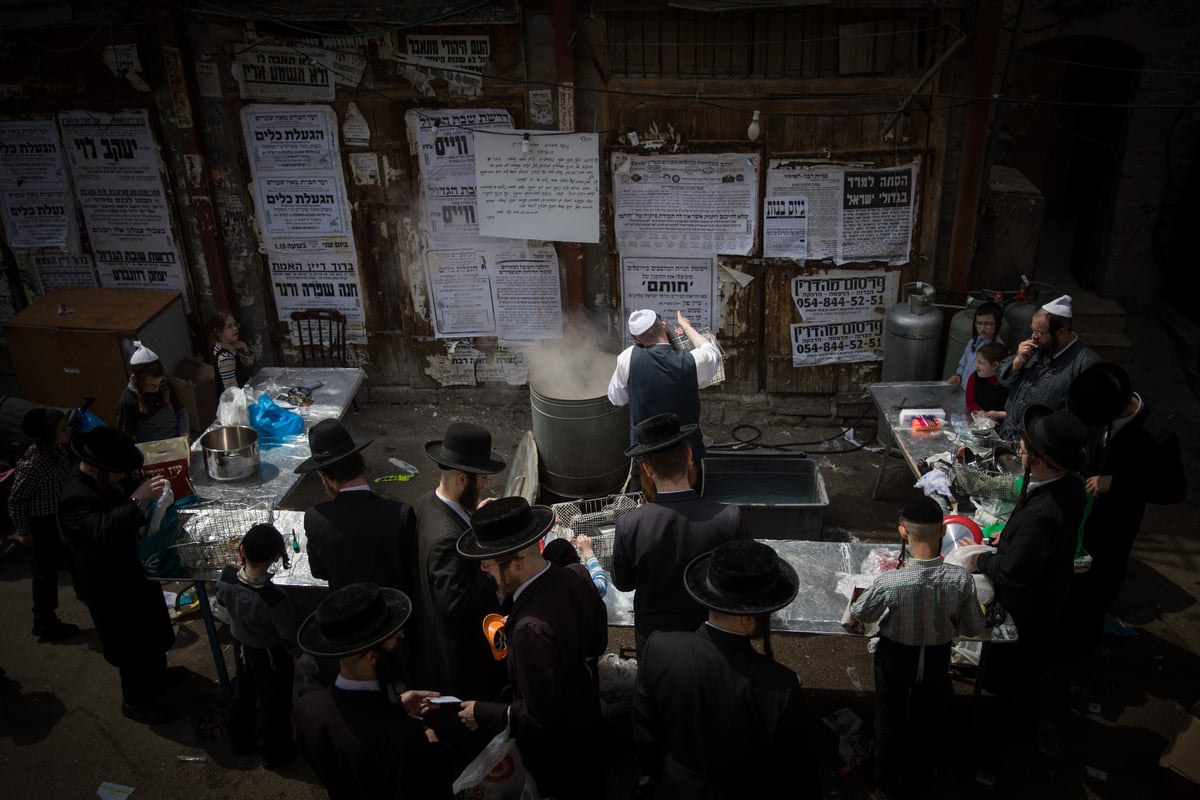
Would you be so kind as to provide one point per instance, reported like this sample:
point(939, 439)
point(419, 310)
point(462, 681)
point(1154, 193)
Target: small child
point(231, 356)
point(264, 637)
point(920, 608)
point(984, 391)
point(564, 554)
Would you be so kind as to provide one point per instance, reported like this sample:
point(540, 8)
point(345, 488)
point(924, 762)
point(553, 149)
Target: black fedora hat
point(353, 619)
point(741, 577)
point(107, 449)
point(1056, 436)
point(329, 442)
point(504, 527)
point(466, 447)
point(1099, 394)
point(658, 433)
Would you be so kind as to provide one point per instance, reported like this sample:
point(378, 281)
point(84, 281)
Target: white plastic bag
point(231, 410)
point(497, 773)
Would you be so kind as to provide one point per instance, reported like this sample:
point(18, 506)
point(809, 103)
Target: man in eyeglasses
point(1045, 364)
point(557, 623)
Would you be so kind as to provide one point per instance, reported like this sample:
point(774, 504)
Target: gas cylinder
point(912, 336)
point(962, 328)
point(1019, 318)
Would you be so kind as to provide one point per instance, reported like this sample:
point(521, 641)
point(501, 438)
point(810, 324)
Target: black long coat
point(101, 526)
point(453, 595)
point(720, 721)
point(360, 536)
point(1144, 462)
point(655, 543)
point(1032, 566)
point(361, 746)
point(557, 622)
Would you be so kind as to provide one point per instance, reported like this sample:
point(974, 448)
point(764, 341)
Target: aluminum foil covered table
point(827, 572)
point(276, 478)
point(890, 398)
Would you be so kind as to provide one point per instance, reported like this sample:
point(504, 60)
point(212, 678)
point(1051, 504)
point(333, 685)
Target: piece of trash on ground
point(113, 791)
point(196, 759)
point(854, 681)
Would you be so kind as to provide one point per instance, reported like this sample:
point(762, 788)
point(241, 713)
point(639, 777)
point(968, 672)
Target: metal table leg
point(210, 627)
point(889, 446)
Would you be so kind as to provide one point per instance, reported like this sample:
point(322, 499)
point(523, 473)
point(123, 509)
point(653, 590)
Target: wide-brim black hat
point(1056, 436)
point(466, 447)
point(353, 619)
point(504, 527)
point(742, 577)
point(108, 449)
point(329, 442)
point(658, 433)
point(1099, 394)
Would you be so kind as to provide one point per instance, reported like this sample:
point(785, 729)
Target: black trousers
point(262, 714)
point(49, 556)
point(912, 690)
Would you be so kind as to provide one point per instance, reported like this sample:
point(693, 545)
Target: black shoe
point(54, 631)
point(147, 713)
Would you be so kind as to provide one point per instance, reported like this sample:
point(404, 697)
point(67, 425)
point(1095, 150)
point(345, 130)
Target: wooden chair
point(322, 336)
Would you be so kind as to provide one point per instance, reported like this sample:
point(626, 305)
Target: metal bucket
point(230, 454)
point(581, 445)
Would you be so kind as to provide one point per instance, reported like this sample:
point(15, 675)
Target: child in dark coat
point(264, 637)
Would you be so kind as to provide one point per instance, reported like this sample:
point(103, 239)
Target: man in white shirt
point(652, 377)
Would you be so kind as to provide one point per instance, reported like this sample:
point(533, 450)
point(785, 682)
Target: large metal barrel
point(581, 445)
point(912, 336)
point(962, 328)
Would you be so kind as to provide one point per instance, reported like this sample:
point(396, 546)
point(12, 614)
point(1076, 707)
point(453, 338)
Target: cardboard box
point(193, 382)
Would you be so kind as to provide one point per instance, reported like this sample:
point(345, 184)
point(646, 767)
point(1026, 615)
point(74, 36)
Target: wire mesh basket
point(209, 535)
point(977, 482)
point(596, 518)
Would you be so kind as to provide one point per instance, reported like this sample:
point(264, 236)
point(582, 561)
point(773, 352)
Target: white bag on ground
point(497, 773)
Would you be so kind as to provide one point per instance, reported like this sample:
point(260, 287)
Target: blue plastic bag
point(274, 424)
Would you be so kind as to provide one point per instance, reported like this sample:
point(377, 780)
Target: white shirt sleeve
point(618, 385)
point(708, 361)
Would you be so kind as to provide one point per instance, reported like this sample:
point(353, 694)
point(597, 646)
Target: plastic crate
point(781, 495)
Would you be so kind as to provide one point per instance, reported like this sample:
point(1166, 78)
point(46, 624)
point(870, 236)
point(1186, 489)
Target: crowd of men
point(423, 683)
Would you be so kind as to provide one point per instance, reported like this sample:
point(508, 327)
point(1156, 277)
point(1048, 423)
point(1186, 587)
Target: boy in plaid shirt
point(920, 608)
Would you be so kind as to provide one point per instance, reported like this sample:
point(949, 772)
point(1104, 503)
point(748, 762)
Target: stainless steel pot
point(230, 454)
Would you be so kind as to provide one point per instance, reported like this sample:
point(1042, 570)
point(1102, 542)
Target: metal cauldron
point(230, 454)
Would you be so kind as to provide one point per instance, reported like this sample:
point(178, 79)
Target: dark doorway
point(1069, 140)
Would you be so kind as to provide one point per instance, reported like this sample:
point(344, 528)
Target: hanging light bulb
point(525, 144)
point(754, 128)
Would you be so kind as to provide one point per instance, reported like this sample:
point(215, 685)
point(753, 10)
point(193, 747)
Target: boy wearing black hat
point(920, 607)
point(358, 743)
point(264, 635)
point(713, 717)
